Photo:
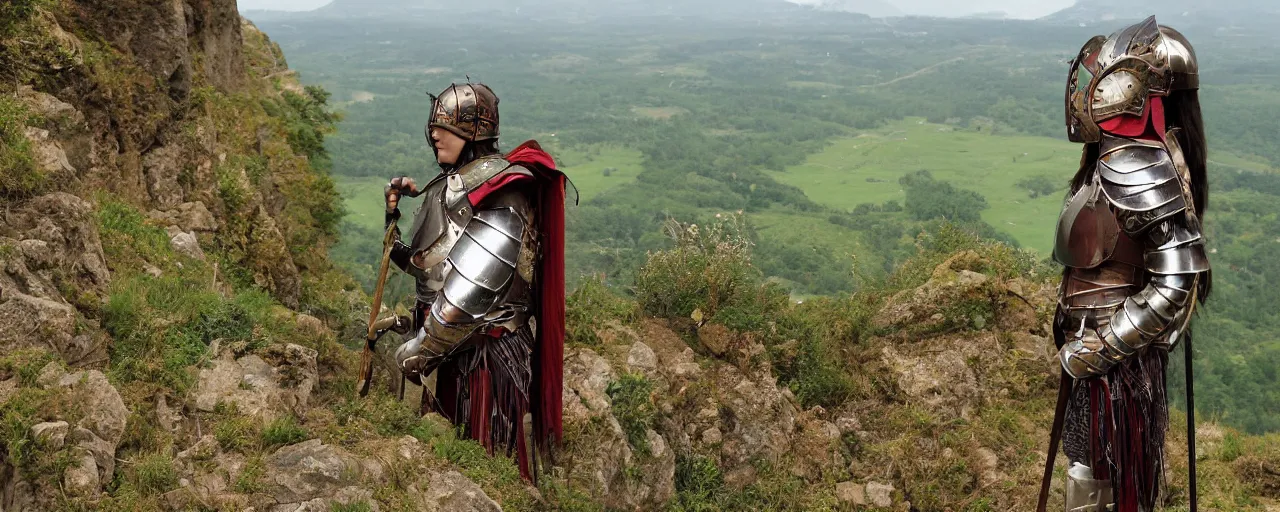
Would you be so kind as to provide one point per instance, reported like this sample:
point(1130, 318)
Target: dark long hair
point(1088, 162)
point(1182, 110)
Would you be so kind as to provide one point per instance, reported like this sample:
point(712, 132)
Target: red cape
point(548, 353)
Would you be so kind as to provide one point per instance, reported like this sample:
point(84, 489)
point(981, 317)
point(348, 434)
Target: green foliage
point(1037, 186)
point(700, 487)
point(379, 411)
point(1231, 447)
point(707, 269)
point(357, 506)
point(238, 433)
point(283, 431)
point(27, 406)
point(233, 193)
point(15, 12)
point(19, 414)
point(126, 235)
point(698, 481)
point(632, 399)
point(26, 364)
point(162, 326)
point(817, 335)
point(307, 120)
point(591, 305)
point(19, 176)
point(929, 199)
point(155, 474)
point(944, 239)
point(251, 478)
point(498, 475)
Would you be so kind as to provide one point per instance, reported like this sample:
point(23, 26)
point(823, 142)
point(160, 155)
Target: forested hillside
point(841, 138)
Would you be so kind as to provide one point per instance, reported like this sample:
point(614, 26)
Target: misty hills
point(577, 10)
point(1177, 12)
point(873, 8)
point(1083, 12)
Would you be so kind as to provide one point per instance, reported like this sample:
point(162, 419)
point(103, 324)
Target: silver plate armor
point(479, 262)
point(1132, 243)
point(483, 263)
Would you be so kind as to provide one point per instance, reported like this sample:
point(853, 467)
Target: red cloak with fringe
point(547, 187)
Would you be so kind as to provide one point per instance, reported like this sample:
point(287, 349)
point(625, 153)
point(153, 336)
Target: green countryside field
point(866, 169)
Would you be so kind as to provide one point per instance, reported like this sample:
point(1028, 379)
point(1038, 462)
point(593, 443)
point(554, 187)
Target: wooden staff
point(366, 357)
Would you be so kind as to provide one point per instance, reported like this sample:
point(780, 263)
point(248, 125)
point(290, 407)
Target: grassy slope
point(865, 169)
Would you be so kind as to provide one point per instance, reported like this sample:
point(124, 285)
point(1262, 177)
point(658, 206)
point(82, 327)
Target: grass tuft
point(283, 431)
point(632, 398)
point(591, 305)
point(19, 175)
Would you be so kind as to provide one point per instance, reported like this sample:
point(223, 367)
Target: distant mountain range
point(1083, 12)
point(556, 8)
point(1193, 11)
point(873, 8)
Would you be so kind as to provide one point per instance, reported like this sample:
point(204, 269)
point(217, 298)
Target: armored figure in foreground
point(1136, 264)
point(486, 251)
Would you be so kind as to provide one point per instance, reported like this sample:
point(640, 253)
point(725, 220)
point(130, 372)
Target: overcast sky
point(1015, 8)
point(282, 5)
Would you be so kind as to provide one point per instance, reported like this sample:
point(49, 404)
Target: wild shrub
point(358, 506)
point(633, 406)
point(591, 305)
point(283, 431)
point(19, 176)
point(698, 484)
point(708, 269)
point(942, 240)
point(155, 474)
point(237, 433)
point(13, 13)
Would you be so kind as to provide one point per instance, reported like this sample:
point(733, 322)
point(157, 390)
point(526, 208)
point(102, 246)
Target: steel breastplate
point(1087, 229)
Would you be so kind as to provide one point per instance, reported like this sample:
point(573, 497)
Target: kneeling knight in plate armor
point(487, 254)
point(1131, 241)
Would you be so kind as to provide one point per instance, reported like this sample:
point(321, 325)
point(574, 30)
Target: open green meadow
point(866, 169)
point(597, 168)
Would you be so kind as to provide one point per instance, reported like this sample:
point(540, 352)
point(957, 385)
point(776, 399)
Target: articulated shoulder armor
point(1132, 245)
point(1139, 179)
point(480, 261)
